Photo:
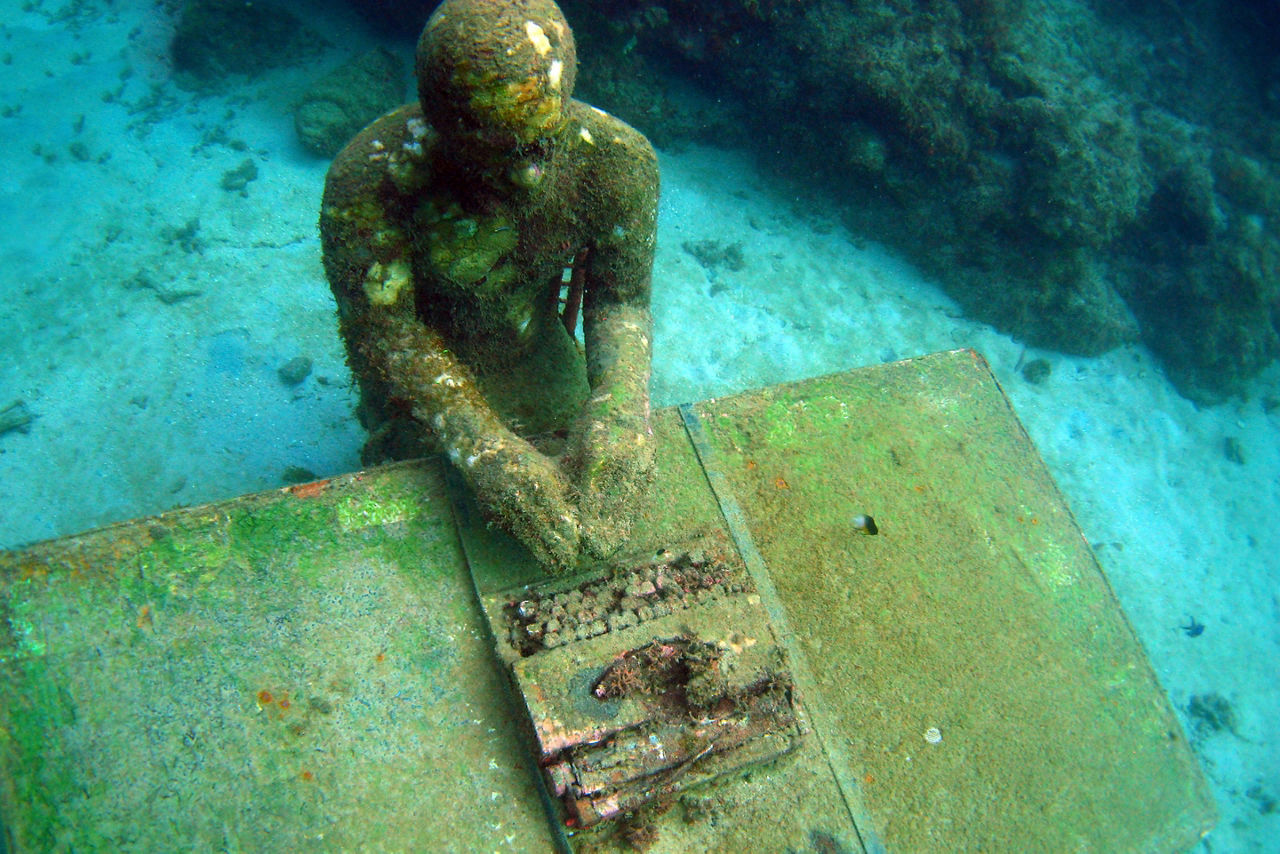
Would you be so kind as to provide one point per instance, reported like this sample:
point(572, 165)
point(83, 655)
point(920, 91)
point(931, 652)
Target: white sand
point(148, 396)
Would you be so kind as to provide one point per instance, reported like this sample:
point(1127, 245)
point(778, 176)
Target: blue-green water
point(150, 300)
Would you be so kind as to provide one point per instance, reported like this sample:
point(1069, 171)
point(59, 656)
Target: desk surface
point(310, 667)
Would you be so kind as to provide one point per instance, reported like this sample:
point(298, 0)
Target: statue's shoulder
point(620, 167)
point(390, 154)
point(607, 138)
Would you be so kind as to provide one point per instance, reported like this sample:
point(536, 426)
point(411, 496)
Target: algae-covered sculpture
point(451, 228)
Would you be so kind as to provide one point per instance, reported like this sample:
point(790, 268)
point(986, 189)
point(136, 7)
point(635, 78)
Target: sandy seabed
point(149, 303)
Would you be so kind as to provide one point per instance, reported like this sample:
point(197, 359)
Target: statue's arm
point(612, 450)
point(514, 483)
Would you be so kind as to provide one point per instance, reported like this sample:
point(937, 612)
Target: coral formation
point(217, 38)
point(1082, 175)
point(346, 99)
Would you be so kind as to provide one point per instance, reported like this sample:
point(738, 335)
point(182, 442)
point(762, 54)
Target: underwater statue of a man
point(450, 230)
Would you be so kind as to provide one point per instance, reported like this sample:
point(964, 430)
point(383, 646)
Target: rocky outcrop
point(340, 104)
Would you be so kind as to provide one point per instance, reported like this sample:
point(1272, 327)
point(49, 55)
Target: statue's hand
point(527, 494)
point(612, 466)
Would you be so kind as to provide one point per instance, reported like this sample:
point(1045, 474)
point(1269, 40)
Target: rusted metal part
point(659, 758)
point(651, 678)
point(573, 298)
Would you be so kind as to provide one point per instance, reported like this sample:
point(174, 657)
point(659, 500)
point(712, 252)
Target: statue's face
point(495, 74)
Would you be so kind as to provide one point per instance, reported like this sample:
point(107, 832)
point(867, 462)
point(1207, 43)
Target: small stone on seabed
point(295, 370)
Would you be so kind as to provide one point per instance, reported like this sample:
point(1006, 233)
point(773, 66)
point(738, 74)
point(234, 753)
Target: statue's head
point(496, 73)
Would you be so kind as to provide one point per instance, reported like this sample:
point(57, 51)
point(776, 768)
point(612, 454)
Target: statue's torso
point(487, 262)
